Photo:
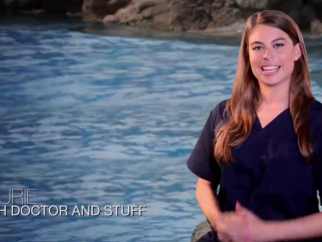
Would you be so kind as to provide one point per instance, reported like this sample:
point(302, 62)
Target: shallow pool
point(97, 120)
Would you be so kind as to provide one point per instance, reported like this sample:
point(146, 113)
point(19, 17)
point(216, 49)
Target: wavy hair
point(241, 107)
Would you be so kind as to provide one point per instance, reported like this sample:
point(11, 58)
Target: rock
point(110, 19)
point(190, 15)
point(144, 13)
point(176, 15)
point(256, 4)
point(316, 26)
point(161, 21)
point(201, 229)
point(226, 16)
point(129, 14)
point(172, 15)
point(233, 29)
point(94, 10)
point(230, 4)
point(196, 15)
point(147, 13)
point(206, 4)
point(145, 4)
point(200, 19)
point(252, 4)
point(160, 8)
point(218, 4)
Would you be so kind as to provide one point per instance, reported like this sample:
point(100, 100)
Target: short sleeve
point(318, 167)
point(202, 161)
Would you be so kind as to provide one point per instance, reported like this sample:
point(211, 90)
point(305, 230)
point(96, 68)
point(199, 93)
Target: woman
point(264, 144)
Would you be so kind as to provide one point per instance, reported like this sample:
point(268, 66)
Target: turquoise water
point(97, 120)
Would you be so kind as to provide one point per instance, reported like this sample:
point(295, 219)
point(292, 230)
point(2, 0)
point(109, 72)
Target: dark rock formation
point(94, 10)
point(201, 229)
point(174, 15)
point(208, 15)
point(178, 15)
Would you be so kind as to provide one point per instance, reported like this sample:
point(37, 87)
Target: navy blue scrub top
point(269, 176)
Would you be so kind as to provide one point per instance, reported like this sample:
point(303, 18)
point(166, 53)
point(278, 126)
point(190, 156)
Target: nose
point(268, 54)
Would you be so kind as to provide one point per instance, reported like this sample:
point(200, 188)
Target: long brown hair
point(241, 107)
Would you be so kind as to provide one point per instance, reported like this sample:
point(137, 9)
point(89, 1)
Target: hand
point(221, 233)
point(255, 227)
point(232, 227)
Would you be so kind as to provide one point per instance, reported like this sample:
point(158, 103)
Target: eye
point(279, 45)
point(257, 47)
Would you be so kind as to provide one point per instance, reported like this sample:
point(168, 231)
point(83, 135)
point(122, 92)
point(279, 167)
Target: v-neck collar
point(273, 121)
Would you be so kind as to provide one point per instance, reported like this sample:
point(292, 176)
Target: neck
point(275, 96)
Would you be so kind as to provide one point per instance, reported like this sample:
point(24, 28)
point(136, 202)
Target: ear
point(297, 51)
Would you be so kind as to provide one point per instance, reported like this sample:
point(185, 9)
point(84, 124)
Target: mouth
point(270, 70)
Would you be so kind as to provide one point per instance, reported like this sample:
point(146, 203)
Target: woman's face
point(272, 55)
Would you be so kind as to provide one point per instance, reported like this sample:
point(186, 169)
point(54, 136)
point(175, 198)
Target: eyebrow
point(258, 42)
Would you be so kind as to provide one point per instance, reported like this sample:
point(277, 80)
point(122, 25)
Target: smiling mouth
point(270, 69)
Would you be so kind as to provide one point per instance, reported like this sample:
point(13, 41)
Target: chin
point(270, 80)
point(270, 84)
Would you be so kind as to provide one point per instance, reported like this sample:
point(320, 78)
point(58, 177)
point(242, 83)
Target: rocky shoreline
point(222, 36)
point(208, 16)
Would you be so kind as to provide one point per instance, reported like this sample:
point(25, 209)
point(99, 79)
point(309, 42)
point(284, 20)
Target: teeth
point(270, 68)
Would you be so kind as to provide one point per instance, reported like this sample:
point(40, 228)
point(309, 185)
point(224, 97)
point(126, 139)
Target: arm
point(309, 226)
point(207, 201)
point(302, 228)
point(202, 163)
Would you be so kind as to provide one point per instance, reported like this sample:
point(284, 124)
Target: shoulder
point(316, 125)
point(217, 113)
point(316, 115)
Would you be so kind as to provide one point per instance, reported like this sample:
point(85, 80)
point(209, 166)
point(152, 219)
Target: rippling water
point(96, 120)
